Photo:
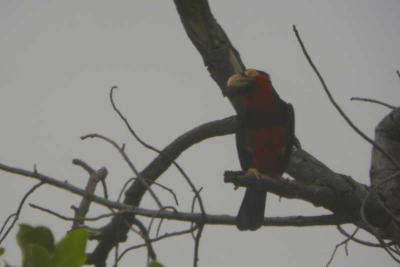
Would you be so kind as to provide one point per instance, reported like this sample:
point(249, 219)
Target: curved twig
point(372, 101)
point(344, 242)
point(67, 218)
point(150, 147)
point(126, 158)
point(167, 235)
point(336, 105)
point(146, 238)
point(362, 242)
point(18, 212)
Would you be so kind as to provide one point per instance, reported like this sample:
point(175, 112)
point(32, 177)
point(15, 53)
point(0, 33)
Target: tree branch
point(336, 105)
point(94, 178)
point(387, 135)
point(117, 229)
point(372, 101)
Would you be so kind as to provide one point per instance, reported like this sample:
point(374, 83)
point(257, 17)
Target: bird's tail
point(251, 212)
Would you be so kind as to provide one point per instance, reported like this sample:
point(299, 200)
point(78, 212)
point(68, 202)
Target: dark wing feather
point(290, 137)
point(245, 156)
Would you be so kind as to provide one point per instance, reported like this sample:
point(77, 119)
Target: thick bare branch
point(387, 135)
point(94, 178)
point(152, 148)
point(219, 56)
point(336, 105)
point(117, 229)
point(129, 162)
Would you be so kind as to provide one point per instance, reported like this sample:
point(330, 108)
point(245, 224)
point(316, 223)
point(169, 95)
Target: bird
point(264, 138)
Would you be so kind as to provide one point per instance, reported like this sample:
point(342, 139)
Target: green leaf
point(30, 238)
point(36, 256)
point(2, 250)
point(70, 251)
point(155, 264)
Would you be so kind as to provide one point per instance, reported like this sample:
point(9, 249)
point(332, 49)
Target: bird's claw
point(253, 172)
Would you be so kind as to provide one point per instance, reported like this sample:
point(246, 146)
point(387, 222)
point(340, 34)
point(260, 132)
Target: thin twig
point(104, 186)
point(90, 170)
point(84, 165)
point(362, 242)
point(372, 101)
point(124, 187)
point(297, 221)
point(150, 147)
point(6, 221)
point(167, 235)
point(94, 178)
point(116, 255)
point(351, 124)
point(396, 259)
point(129, 162)
point(336, 105)
point(192, 209)
point(171, 191)
point(197, 244)
point(18, 212)
point(67, 218)
point(373, 191)
point(146, 238)
point(154, 217)
point(159, 227)
point(155, 183)
point(344, 242)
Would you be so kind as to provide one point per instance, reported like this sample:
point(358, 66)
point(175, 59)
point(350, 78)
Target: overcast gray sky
point(58, 60)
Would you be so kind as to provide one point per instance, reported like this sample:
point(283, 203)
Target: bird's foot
point(250, 173)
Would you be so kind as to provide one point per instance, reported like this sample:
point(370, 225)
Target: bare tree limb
point(18, 212)
point(372, 101)
point(389, 225)
point(164, 236)
point(94, 178)
point(362, 242)
point(197, 244)
point(385, 175)
point(180, 169)
point(344, 242)
point(150, 147)
point(173, 215)
point(145, 235)
point(67, 218)
point(129, 162)
point(336, 105)
point(116, 230)
point(317, 184)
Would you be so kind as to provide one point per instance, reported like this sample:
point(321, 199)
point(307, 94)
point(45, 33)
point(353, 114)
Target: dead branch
point(164, 236)
point(17, 213)
point(67, 218)
point(158, 166)
point(94, 178)
point(159, 152)
point(387, 135)
point(345, 243)
point(318, 185)
point(121, 150)
point(336, 105)
point(372, 101)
